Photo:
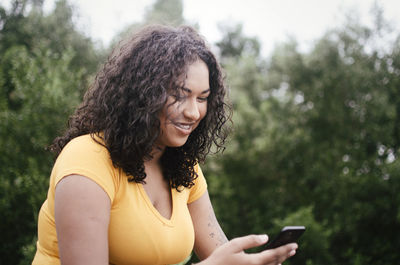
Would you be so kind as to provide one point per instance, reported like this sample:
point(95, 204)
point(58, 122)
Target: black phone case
point(286, 236)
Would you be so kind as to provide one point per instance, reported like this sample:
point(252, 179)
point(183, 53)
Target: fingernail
point(262, 238)
point(291, 253)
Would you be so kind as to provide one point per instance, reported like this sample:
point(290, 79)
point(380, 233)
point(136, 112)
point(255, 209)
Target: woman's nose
point(191, 110)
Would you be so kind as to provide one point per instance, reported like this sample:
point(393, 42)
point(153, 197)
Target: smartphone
point(288, 234)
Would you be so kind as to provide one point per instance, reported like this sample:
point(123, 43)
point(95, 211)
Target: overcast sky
point(272, 21)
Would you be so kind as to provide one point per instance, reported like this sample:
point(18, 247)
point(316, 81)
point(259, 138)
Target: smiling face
point(181, 116)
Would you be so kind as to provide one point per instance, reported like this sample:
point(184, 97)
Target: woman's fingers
point(268, 257)
point(241, 243)
point(233, 253)
point(278, 255)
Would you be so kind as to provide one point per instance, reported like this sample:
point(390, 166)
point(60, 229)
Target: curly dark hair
point(123, 104)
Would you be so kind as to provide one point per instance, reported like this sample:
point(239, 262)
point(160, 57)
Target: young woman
point(126, 187)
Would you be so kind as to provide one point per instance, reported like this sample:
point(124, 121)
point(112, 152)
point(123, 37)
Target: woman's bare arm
point(208, 233)
point(82, 213)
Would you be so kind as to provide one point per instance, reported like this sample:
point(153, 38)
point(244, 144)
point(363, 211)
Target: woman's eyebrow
point(205, 91)
point(190, 91)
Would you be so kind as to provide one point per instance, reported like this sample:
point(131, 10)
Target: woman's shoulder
point(86, 140)
point(200, 185)
point(85, 149)
point(87, 157)
point(85, 143)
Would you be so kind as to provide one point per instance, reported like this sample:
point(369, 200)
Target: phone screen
point(288, 234)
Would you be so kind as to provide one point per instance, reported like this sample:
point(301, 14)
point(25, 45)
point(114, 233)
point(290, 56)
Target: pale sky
point(272, 21)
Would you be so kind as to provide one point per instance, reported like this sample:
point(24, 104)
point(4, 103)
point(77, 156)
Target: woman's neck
point(156, 154)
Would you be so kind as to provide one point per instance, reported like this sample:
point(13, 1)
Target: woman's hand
point(232, 252)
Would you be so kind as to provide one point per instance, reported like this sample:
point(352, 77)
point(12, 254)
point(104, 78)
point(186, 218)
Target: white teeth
point(183, 126)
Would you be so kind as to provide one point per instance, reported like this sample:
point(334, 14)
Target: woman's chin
point(178, 142)
point(174, 143)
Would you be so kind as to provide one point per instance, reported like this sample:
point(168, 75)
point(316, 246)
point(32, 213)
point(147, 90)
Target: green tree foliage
point(44, 67)
point(315, 142)
point(164, 12)
point(234, 43)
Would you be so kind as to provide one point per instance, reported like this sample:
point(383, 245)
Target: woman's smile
point(184, 127)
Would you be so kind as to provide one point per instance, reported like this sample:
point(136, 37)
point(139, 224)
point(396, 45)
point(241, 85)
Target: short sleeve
point(83, 156)
point(200, 185)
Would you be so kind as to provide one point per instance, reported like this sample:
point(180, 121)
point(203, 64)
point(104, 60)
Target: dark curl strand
point(123, 105)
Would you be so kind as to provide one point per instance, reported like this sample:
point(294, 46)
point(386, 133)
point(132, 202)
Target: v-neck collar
point(164, 220)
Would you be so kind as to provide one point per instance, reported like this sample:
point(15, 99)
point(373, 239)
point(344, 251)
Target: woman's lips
point(185, 128)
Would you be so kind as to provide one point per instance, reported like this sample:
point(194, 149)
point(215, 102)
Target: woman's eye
point(202, 99)
point(178, 98)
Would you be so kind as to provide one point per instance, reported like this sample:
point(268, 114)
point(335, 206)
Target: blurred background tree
point(45, 65)
point(166, 12)
point(315, 141)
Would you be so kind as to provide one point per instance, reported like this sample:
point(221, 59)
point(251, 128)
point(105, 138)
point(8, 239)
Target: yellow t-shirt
point(137, 233)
